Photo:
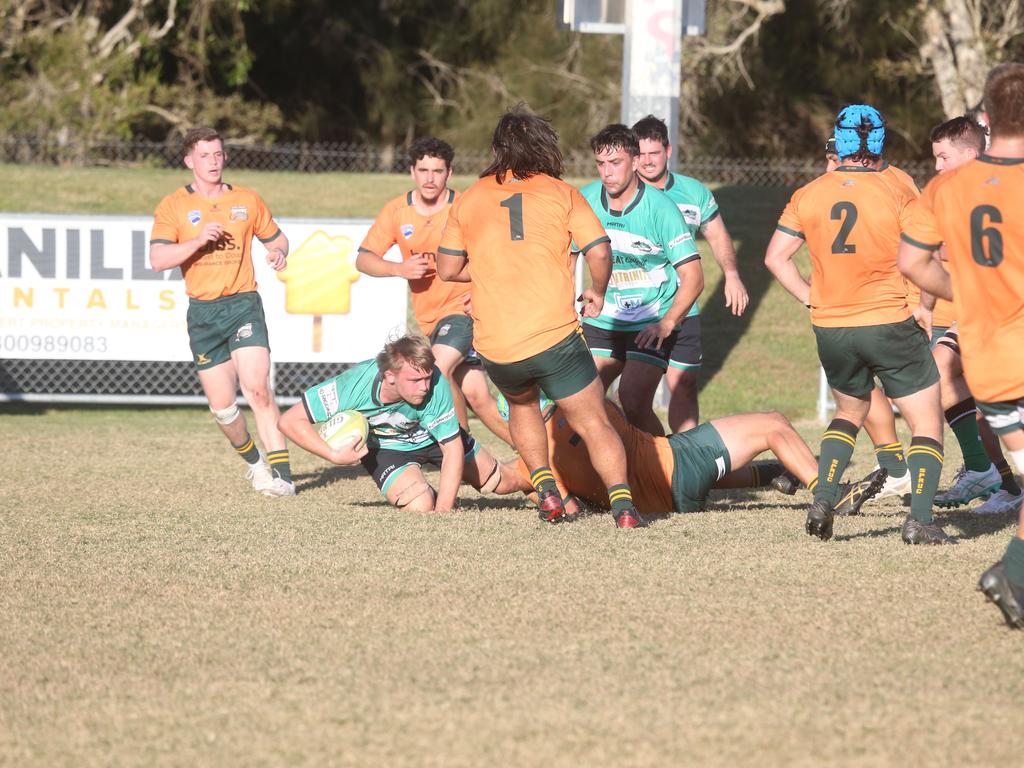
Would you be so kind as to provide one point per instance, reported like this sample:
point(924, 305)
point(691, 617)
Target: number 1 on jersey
point(515, 215)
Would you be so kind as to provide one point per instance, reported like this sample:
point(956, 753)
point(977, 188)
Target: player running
point(207, 228)
point(851, 220)
point(973, 212)
point(656, 278)
point(510, 233)
point(414, 221)
point(700, 211)
point(409, 406)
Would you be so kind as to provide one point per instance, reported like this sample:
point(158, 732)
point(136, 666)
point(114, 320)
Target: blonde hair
point(414, 350)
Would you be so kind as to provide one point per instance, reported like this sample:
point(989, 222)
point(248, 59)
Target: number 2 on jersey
point(839, 245)
point(515, 215)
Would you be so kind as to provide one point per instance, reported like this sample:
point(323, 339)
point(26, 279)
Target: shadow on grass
point(750, 214)
point(322, 478)
point(972, 526)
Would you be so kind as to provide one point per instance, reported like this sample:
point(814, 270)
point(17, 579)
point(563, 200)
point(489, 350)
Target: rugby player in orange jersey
point(414, 221)
point(974, 212)
point(509, 234)
point(207, 228)
point(880, 423)
point(985, 471)
point(851, 221)
point(675, 473)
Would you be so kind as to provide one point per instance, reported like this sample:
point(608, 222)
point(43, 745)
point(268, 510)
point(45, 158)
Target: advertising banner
point(75, 287)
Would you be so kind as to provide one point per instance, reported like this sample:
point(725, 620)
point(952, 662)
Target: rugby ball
point(344, 427)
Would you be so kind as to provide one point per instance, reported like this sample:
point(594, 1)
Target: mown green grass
point(156, 611)
point(765, 360)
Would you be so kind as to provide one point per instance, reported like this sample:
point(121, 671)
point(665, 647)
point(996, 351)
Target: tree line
point(767, 79)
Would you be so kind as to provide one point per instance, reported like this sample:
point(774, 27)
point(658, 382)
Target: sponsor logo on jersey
point(245, 332)
point(643, 246)
point(328, 395)
point(407, 230)
point(239, 213)
point(679, 240)
point(194, 217)
point(629, 301)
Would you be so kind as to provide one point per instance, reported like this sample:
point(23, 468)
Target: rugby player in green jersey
point(656, 278)
point(700, 210)
point(409, 406)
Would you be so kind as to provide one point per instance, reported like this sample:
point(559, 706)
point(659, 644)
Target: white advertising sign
point(80, 288)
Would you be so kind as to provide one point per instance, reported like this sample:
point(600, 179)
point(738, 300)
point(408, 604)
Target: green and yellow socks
point(837, 446)
point(890, 458)
point(963, 420)
point(279, 464)
point(924, 460)
point(249, 451)
point(543, 480)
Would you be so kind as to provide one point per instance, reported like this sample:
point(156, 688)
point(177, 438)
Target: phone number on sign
point(10, 344)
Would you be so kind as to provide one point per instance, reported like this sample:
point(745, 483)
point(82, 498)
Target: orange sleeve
point(165, 224)
point(921, 228)
point(789, 221)
point(381, 236)
point(264, 226)
point(584, 226)
point(452, 242)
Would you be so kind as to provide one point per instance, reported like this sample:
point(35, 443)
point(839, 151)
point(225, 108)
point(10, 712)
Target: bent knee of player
point(417, 496)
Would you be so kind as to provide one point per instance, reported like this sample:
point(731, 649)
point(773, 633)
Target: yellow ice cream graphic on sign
point(318, 279)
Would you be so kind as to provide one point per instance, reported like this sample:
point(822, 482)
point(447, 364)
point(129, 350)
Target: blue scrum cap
point(859, 127)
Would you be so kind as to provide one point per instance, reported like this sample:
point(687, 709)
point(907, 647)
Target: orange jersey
point(400, 223)
point(516, 236)
point(851, 219)
point(649, 464)
point(913, 292)
point(223, 268)
point(975, 211)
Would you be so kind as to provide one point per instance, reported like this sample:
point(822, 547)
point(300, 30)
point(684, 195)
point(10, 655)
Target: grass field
point(156, 611)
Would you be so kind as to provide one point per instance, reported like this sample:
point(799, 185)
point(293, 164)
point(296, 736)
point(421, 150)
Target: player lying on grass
point(408, 404)
point(675, 473)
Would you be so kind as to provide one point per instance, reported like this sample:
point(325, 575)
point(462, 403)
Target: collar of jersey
point(375, 389)
point(192, 190)
point(1000, 160)
point(409, 202)
point(640, 186)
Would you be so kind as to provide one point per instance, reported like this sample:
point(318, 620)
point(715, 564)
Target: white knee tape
point(225, 416)
point(493, 479)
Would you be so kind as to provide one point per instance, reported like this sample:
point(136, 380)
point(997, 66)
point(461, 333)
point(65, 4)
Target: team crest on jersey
point(244, 332)
point(629, 302)
point(194, 217)
point(407, 230)
point(239, 213)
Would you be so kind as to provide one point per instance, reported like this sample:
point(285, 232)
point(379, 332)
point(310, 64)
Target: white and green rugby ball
point(344, 427)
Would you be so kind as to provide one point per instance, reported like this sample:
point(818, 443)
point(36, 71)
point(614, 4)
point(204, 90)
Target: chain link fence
point(176, 382)
point(364, 158)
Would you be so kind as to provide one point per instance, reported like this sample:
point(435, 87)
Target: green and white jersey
point(649, 241)
point(397, 426)
point(697, 205)
point(693, 199)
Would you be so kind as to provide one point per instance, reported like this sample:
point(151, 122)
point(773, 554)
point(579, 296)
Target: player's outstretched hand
point(416, 266)
point(277, 259)
point(593, 302)
point(736, 296)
